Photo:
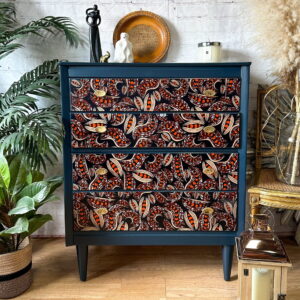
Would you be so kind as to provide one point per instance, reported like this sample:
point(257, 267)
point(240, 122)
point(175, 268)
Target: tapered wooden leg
point(82, 259)
point(227, 253)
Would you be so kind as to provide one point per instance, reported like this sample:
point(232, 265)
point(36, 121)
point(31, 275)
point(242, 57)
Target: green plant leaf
point(48, 199)
point(7, 16)
point(20, 226)
point(49, 24)
point(24, 205)
point(34, 132)
point(18, 173)
point(8, 49)
point(37, 221)
point(33, 82)
point(54, 182)
point(40, 28)
point(37, 176)
point(2, 197)
point(34, 176)
point(38, 191)
point(4, 172)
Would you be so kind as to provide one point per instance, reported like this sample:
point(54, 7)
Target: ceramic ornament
point(123, 49)
point(93, 19)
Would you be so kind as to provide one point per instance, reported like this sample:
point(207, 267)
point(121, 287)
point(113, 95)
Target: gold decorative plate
point(148, 33)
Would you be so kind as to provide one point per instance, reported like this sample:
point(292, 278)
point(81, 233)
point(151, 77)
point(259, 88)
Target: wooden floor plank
point(139, 273)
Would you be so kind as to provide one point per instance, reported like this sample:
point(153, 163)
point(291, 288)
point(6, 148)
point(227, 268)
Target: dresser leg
point(227, 253)
point(82, 259)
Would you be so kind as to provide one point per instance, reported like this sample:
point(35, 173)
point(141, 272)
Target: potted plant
point(22, 193)
point(26, 127)
point(30, 138)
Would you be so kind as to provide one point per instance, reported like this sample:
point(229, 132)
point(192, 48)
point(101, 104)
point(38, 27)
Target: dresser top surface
point(218, 64)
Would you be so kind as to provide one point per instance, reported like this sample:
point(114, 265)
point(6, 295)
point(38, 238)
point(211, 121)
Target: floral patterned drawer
point(154, 94)
point(181, 130)
point(155, 211)
point(157, 171)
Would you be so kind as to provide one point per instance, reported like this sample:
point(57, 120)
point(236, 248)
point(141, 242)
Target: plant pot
point(15, 271)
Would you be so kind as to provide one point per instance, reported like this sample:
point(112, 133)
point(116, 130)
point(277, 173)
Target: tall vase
point(288, 147)
point(288, 150)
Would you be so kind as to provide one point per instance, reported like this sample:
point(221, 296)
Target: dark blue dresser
point(154, 154)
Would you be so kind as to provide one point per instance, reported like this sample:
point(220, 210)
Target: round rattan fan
point(274, 105)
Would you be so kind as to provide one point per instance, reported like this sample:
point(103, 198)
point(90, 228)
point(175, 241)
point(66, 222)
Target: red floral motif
point(204, 94)
point(148, 211)
point(151, 171)
point(193, 130)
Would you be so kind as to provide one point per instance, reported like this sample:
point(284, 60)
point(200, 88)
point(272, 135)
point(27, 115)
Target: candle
point(209, 51)
point(262, 284)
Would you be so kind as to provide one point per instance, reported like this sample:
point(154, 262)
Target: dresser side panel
point(67, 158)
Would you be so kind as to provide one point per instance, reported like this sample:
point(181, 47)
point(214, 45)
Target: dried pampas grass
point(277, 26)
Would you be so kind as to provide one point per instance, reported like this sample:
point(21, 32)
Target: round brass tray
point(148, 33)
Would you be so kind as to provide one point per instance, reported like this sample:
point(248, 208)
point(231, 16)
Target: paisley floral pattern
point(201, 94)
point(159, 171)
point(147, 190)
point(155, 211)
point(144, 130)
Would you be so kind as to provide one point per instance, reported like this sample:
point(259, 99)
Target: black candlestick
point(93, 19)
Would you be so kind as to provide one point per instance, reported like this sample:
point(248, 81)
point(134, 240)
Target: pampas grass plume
point(277, 27)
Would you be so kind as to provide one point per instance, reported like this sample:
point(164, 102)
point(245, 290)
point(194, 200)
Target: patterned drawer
point(144, 130)
point(205, 94)
point(159, 171)
point(148, 211)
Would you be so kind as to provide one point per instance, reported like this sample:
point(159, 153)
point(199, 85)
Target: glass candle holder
point(209, 51)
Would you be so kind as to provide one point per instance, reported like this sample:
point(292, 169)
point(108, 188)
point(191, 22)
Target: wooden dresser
point(154, 154)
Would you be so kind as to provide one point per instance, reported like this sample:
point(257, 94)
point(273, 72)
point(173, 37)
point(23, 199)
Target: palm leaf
point(52, 25)
point(7, 16)
point(34, 132)
point(37, 136)
point(9, 48)
point(43, 81)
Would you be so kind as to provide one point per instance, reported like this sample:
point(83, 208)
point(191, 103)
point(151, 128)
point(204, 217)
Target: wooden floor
point(142, 273)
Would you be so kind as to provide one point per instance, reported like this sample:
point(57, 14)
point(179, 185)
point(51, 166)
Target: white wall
point(190, 22)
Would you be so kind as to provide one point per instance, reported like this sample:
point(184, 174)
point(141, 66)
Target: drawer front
point(205, 94)
point(144, 130)
point(157, 171)
point(155, 211)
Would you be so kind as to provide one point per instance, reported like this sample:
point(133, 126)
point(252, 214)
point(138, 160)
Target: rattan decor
point(268, 180)
point(15, 287)
point(267, 190)
point(15, 271)
point(14, 261)
point(148, 33)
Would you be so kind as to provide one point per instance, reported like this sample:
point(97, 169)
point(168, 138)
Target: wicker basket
point(15, 271)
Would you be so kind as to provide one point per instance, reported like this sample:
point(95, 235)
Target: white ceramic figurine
point(123, 49)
